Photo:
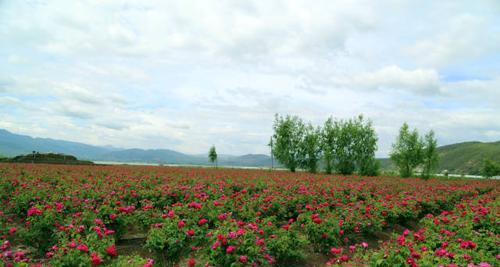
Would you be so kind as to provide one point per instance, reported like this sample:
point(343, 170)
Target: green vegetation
point(288, 134)
point(349, 145)
point(345, 146)
point(411, 151)
point(461, 158)
point(490, 168)
point(468, 157)
point(49, 158)
point(212, 155)
point(310, 149)
point(407, 151)
point(430, 155)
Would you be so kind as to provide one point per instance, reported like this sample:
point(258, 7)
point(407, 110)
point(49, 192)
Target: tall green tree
point(288, 135)
point(212, 155)
point(490, 168)
point(344, 149)
point(310, 149)
point(329, 136)
point(407, 151)
point(349, 145)
point(430, 155)
point(365, 145)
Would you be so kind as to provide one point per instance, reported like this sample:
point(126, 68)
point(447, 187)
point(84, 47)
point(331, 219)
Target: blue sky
point(188, 74)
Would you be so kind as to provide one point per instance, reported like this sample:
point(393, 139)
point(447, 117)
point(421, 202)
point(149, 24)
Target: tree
point(329, 135)
point(349, 145)
point(407, 152)
point(288, 135)
point(212, 155)
point(365, 145)
point(344, 149)
point(430, 155)
point(490, 168)
point(310, 149)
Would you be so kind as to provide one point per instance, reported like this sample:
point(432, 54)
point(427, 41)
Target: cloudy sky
point(188, 74)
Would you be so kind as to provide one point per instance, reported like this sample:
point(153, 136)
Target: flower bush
point(82, 215)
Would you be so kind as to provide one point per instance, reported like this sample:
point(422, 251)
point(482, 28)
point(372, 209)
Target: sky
point(186, 75)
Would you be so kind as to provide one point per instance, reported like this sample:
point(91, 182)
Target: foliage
point(465, 235)
point(350, 145)
point(430, 155)
point(310, 149)
point(468, 157)
point(49, 158)
point(212, 155)
point(288, 135)
point(490, 168)
point(59, 215)
point(407, 152)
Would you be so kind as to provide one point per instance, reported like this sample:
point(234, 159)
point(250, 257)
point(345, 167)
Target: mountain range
point(460, 158)
point(12, 144)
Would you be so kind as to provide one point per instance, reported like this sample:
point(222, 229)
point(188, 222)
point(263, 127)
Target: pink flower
point(109, 231)
point(194, 205)
point(96, 260)
point(181, 224)
point(191, 262)
point(364, 245)
point(59, 206)
point(149, 263)
point(111, 251)
point(72, 244)
point(112, 216)
point(34, 211)
point(190, 232)
point(83, 248)
point(5, 245)
point(222, 216)
point(243, 259)
point(336, 251)
point(12, 230)
point(202, 221)
point(170, 214)
point(230, 249)
point(215, 245)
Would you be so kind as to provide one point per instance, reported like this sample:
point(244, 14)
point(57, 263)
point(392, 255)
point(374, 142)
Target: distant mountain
point(461, 158)
point(466, 158)
point(13, 144)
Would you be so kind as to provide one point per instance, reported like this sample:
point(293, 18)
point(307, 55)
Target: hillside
point(14, 144)
point(50, 158)
point(458, 158)
point(467, 157)
point(461, 158)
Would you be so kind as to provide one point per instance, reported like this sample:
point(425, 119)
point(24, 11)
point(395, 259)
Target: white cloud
point(186, 75)
point(421, 81)
point(465, 38)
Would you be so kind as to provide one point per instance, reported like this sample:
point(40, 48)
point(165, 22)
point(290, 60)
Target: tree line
point(344, 146)
point(347, 146)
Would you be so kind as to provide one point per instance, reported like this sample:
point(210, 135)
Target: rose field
point(55, 215)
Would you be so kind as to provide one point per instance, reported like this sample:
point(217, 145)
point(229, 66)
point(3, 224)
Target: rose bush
point(80, 216)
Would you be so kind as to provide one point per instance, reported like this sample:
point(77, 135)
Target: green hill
point(51, 158)
point(461, 158)
point(468, 157)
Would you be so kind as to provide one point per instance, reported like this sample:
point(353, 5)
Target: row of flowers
point(76, 215)
point(466, 235)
